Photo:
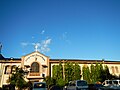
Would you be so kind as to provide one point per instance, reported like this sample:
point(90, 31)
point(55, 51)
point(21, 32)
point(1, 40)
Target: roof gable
point(35, 57)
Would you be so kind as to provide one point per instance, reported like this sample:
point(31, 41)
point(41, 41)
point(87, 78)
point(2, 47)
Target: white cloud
point(42, 46)
point(24, 44)
point(43, 31)
point(47, 42)
point(33, 37)
point(38, 44)
point(33, 44)
point(45, 45)
point(64, 37)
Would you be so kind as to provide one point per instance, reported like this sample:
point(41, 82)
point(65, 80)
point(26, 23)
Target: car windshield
point(81, 83)
point(108, 82)
point(39, 85)
point(115, 82)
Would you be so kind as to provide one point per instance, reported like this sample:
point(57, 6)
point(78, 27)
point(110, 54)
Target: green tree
point(86, 73)
point(92, 74)
point(58, 74)
point(76, 71)
point(55, 71)
point(68, 71)
point(49, 81)
point(17, 78)
point(106, 74)
point(98, 71)
point(101, 72)
point(60, 80)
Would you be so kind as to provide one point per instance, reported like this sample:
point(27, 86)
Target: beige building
point(39, 66)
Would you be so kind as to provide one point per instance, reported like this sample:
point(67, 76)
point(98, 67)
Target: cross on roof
point(36, 47)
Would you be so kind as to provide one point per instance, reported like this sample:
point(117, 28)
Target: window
point(81, 83)
point(115, 82)
point(116, 68)
point(7, 69)
point(113, 71)
point(35, 67)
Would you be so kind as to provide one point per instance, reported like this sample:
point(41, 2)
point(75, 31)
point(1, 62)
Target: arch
point(7, 69)
point(35, 67)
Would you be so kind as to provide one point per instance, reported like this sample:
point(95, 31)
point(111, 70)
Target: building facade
point(37, 66)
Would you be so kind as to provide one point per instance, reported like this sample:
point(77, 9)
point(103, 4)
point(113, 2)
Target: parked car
point(111, 82)
point(55, 87)
point(111, 85)
point(39, 86)
point(77, 85)
point(95, 86)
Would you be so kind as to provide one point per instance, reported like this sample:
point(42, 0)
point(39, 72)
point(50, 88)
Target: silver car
point(77, 85)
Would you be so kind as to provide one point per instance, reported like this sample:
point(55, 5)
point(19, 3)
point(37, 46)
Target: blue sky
point(64, 29)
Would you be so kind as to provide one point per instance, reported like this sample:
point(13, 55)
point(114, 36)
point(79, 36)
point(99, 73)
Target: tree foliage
point(64, 74)
point(71, 70)
point(58, 74)
point(17, 78)
point(49, 81)
point(76, 71)
point(86, 73)
point(97, 72)
point(92, 74)
point(68, 71)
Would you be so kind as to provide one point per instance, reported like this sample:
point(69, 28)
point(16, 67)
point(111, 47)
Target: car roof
point(40, 82)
